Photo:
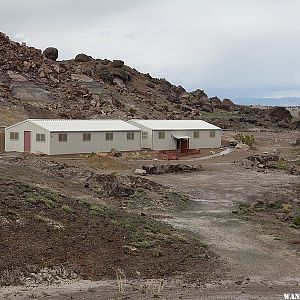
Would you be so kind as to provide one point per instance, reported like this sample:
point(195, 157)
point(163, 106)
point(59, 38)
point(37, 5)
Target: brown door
point(184, 145)
point(27, 141)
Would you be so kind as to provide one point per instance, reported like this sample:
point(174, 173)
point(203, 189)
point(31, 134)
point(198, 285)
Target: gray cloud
point(229, 48)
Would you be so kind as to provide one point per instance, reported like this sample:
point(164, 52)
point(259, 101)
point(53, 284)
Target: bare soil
point(257, 245)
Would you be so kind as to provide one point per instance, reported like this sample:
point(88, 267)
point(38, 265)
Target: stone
point(51, 53)
point(150, 84)
point(227, 102)
point(117, 63)
point(281, 114)
point(242, 146)
point(140, 172)
point(83, 58)
point(177, 168)
point(115, 152)
point(206, 108)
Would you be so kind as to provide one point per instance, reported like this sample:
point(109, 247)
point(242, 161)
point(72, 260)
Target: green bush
point(247, 139)
point(67, 209)
point(282, 164)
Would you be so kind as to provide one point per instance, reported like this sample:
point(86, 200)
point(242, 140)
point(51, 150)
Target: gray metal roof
point(57, 125)
point(175, 124)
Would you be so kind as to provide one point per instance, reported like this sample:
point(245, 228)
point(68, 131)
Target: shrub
point(281, 164)
point(67, 209)
point(247, 139)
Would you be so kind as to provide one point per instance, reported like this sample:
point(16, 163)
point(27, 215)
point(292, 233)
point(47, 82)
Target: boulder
point(215, 101)
point(242, 146)
point(199, 93)
point(206, 108)
point(83, 58)
point(140, 172)
point(117, 63)
point(177, 168)
point(115, 152)
point(150, 84)
point(51, 53)
point(295, 125)
point(283, 124)
point(281, 114)
point(228, 102)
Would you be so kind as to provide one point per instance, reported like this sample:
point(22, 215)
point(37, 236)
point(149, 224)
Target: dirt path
point(250, 251)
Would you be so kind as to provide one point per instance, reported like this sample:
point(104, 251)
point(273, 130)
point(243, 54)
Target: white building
point(178, 134)
point(72, 136)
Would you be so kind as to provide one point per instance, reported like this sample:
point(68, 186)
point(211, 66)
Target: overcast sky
point(229, 48)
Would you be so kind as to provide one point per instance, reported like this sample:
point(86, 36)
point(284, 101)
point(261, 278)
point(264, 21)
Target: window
point(14, 136)
point(144, 135)
point(62, 137)
point(212, 134)
point(161, 135)
point(40, 137)
point(109, 136)
point(196, 134)
point(86, 137)
point(130, 135)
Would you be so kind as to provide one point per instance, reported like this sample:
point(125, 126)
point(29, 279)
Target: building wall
point(75, 143)
point(18, 146)
point(169, 143)
point(2, 140)
point(145, 143)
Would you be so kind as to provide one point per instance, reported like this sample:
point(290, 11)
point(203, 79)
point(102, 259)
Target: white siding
point(145, 143)
point(75, 143)
point(169, 143)
point(18, 146)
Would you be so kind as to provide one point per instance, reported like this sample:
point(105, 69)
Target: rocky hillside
point(34, 84)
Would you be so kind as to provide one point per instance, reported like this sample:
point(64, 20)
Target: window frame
point(86, 134)
point(14, 136)
point(109, 136)
point(61, 139)
point(144, 135)
point(212, 134)
point(38, 137)
point(130, 135)
point(161, 135)
point(196, 134)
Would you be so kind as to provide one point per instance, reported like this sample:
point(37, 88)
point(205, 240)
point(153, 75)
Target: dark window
point(196, 134)
point(40, 137)
point(144, 135)
point(212, 134)
point(62, 137)
point(109, 136)
point(86, 137)
point(14, 136)
point(161, 135)
point(130, 135)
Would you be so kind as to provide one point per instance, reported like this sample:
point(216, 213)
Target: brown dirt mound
point(41, 229)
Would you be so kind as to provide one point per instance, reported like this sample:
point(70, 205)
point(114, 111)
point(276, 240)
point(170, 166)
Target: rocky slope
point(33, 84)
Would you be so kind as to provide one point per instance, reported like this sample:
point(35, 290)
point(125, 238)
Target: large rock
point(117, 63)
point(83, 58)
point(281, 114)
point(295, 125)
point(206, 108)
point(51, 53)
point(163, 169)
point(228, 104)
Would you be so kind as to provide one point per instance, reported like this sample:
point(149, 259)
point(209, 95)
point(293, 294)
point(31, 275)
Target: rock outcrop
point(51, 53)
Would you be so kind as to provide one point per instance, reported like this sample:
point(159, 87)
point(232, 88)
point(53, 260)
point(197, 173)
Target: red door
point(184, 145)
point(27, 141)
